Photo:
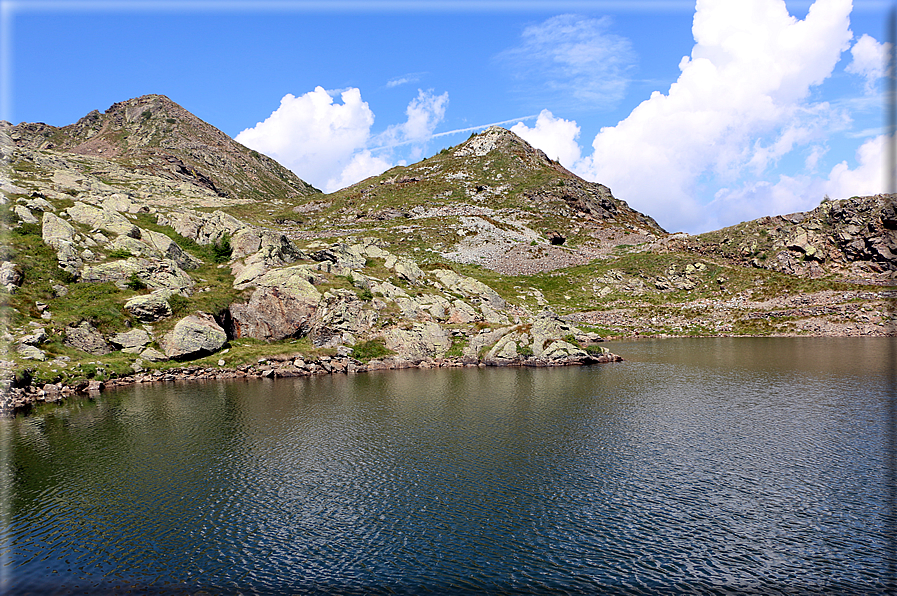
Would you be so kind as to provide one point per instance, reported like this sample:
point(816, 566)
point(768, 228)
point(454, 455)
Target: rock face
point(194, 336)
point(282, 306)
point(855, 237)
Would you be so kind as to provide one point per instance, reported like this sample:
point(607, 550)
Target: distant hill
point(155, 136)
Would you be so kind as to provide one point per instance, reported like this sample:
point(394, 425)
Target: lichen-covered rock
point(150, 307)
point(281, 306)
point(169, 249)
point(468, 286)
point(30, 352)
point(153, 355)
point(264, 246)
point(25, 214)
point(59, 234)
point(132, 341)
point(10, 278)
point(404, 268)
point(340, 317)
point(108, 220)
point(203, 228)
point(423, 340)
point(87, 339)
point(194, 336)
point(155, 273)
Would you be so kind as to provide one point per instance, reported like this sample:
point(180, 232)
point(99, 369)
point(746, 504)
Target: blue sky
point(777, 105)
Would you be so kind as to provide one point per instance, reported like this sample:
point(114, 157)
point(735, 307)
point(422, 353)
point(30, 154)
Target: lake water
point(698, 466)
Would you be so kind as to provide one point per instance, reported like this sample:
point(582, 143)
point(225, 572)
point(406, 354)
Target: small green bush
point(525, 350)
point(135, 283)
point(371, 349)
point(221, 250)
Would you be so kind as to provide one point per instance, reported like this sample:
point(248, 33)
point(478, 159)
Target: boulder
point(87, 339)
point(265, 247)
point(103, 219)
point(194, 336)
point(423, 340)
point(281, 306)
point(155, 273)
point(30, 352)
point(59, 234)
point(149, 308)
point(34, 339)
point(25, 214)
point(468, 286)
point(10, 278)
point(153, 355)
point(131, 342)
point(340, 316)
point(203, 228)
point(404, 268)
point(169, 249)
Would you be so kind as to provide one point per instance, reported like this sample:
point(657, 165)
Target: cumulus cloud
point(748, 78)
point(555, 136)
point(868, 60)
point(330, 144)
point(571, 60)
point(313, 136)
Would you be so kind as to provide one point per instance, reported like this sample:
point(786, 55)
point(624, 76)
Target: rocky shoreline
point(21, 399)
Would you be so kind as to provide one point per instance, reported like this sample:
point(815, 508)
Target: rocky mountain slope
point(118, 266)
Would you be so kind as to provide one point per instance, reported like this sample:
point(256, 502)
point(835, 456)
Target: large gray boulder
point(59, 234)
point(132, 341)
point(203, 228)
point(423, 340)
point(194, 336)
point(282, 305)
point(150, 307)
point(155, 273)
point(468, 286)
point(103, 219)
point(87, 339)
point(169, 249)
point(10, 278)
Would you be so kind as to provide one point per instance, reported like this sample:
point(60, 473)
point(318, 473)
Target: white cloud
point(424, 113)
point(403, 80)
point(555, 136)
point(800, 192)
point(313, 136)
point(868, 61)
point(748, 77)
point(570, 59)
point(866, 179)
point(330, 144)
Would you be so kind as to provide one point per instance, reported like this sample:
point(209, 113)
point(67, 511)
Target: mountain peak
point(154, 135)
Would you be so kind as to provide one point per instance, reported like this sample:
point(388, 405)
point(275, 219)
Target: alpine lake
point(696, 466)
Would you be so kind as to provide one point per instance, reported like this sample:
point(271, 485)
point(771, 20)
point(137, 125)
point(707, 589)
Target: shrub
point(221, 250)
point(135, 283)
point(371, 349)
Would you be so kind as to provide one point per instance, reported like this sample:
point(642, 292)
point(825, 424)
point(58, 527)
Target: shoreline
point(21, 399)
